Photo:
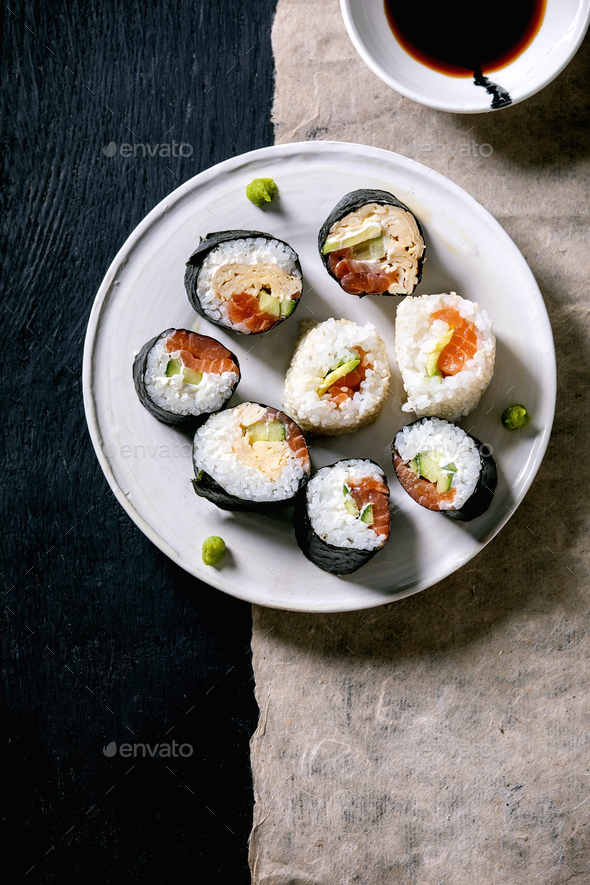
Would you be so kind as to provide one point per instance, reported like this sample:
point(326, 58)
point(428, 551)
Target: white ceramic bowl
point(563, 29)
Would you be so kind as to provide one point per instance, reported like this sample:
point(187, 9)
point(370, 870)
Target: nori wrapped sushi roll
point(444, 468)
point(342, 517)
point(371, 244)
point(251, 457)
point(182, 377)
point(244, 280)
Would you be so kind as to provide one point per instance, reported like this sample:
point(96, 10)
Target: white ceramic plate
point(563, 28)
point(148, 464)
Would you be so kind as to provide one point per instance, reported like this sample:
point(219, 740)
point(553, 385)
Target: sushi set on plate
point(240, 360)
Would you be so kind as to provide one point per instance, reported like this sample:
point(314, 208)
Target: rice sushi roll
point(372, 244)
point(182, 377)
point(445, 350)
point(342, 518)
point(251, 457)
point(243, 280)
point(338, 378)
point(443, 468)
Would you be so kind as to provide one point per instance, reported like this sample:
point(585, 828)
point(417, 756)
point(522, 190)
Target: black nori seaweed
point(193, 267)
point(207, 487)
point(338, 560)
point(139, 367)
point(482, 495)
point(350, 203)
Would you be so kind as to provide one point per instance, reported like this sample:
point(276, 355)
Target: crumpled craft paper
point(445, 738)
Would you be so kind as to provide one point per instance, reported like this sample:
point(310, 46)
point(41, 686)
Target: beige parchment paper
point(445, 739)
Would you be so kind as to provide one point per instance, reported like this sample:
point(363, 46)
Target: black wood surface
point(105, 639)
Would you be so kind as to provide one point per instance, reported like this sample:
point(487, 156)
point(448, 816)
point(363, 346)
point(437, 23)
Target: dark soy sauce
point(463, 39)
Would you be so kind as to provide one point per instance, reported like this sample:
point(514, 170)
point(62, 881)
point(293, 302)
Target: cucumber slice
point(336, 375)
point(266, 431)
point(443, 483)
point(351, 506)
point(367, 514)
point(287, 307)
point(269, 304)
point(173, 368)
point(371, 250)
point(432, 362)
point(192, 377)
point(430, 468)
point(368, 232)
point(414, 466)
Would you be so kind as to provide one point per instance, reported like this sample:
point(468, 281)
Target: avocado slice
point(269, 304)
point(173, 368)
point(429, 466)
point(336, 374)
point(192, 377)
point(432, 363)
point(371, 250)
point(367, 514)
point(367, 232)
point(266, 431)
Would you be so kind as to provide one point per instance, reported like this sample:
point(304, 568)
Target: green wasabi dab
point(213, 550)
point(261, 191)
point(515, 417)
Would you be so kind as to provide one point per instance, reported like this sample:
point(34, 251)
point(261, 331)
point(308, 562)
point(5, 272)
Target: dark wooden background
point(104, 638)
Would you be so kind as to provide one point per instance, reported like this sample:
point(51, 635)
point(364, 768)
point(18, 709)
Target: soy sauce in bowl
point(463, 38)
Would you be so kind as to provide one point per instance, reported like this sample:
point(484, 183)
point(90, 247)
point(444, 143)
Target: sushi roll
point(445, 350)
point(338, 378)
point(372, 244)
point(243, 280)
point(443, 468)
point(251, 457)
point(342, 518)
point(182, 377)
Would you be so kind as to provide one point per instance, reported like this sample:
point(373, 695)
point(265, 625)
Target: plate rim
point(215, 578)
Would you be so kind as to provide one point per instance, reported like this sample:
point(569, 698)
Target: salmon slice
point(244, 308)
point(370, 491)
point(463, 344)
point(357, 276)
point(293, 435)
point(201, 353)
point(421, 490)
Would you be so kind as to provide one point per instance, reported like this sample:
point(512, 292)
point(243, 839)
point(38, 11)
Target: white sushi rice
point(318, 352)
point(455, 447)
point(416, 336)
point(248, 250)
point(213, 452)
point(325, 505)
point(178, 396)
